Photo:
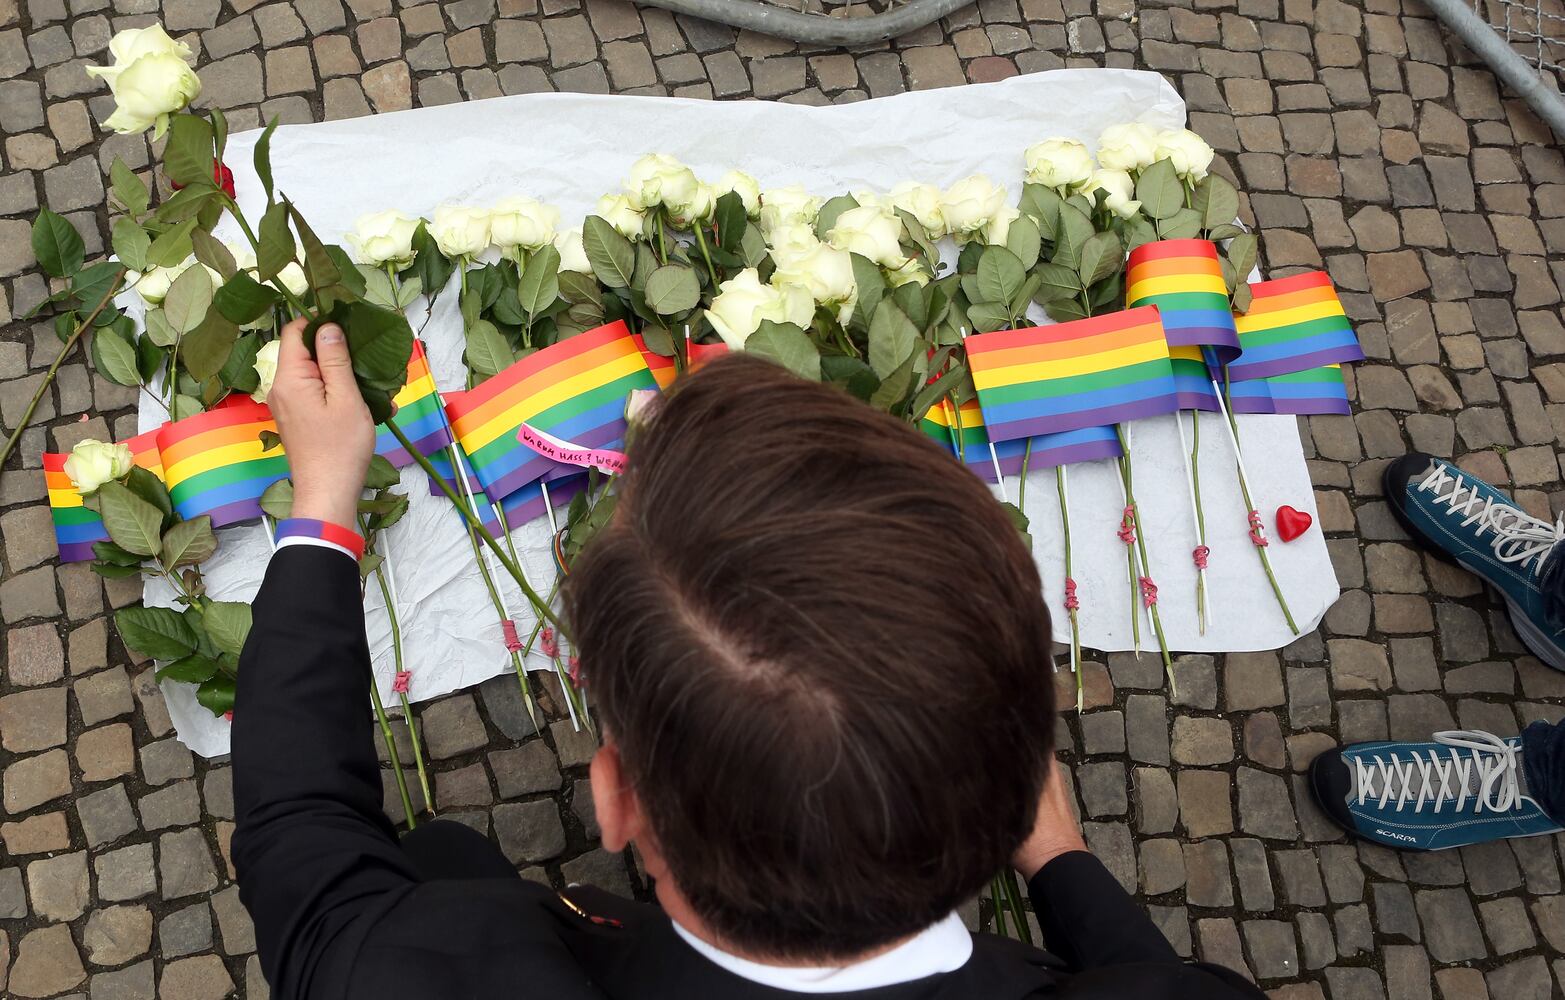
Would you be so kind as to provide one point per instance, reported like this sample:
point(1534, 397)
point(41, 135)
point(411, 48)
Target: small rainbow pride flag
point(1184, 279)
point(663, 368)
point(1293, 325)
point(524, 505)
point(1311, 392)
point(574, 390)
point(214, 464)
point(76, 526)
point(419, 415)
point(1091, 372)
point(1048, 450)
point(1193, 379)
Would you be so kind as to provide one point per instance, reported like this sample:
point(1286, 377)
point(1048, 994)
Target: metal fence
point(1535, 30)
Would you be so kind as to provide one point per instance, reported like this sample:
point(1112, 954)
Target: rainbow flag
point(1193, 379)
point(214, 464)
point(419, 415)
point(1310, 392)
point(1086, 373)
point(524, 505)
point(1293, 325)
point(663, 368)
point(574, 390)
point(1048, 450)
point(76, 527)
point(1184, 279)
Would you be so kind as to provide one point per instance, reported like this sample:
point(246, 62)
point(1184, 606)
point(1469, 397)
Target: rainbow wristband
point(324, 531)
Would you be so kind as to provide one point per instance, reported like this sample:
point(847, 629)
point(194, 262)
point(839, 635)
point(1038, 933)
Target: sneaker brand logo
point(1396, 836)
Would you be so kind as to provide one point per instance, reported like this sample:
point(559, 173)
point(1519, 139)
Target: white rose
point(150, 79)
point(659, 179)
point(872, 199)
point(522, 222)
point(746, 187)
point(699, 207)
point(382, 238)
point(460, 230)
point(999, 227)
point(294, 279)
point(617, 211)
point(1120, 188)
point(869, 232)
point(244, 256)
point(970, 204)
point(909, 273)
point(743, 302)
point(824, 272)
point(266, 368)
point(154, 285)
point(573, 256)
point(93, 463)
point(1132, 146)
point(1189, 152)
point(1058, 163)
point(789, 243)
point(786, 206)
point(922, 202)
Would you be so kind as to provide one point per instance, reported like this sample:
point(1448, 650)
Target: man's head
point(822, 661)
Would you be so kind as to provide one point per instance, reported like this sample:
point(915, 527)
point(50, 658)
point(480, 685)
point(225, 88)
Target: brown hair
point(822, 651)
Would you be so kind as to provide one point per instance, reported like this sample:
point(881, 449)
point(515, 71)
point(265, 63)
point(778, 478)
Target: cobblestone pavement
point(1366, 142)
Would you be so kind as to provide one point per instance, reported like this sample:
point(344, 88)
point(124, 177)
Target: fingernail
point(331, 333)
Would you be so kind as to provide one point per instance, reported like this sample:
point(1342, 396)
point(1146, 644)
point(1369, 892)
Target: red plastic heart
point(1292, 523)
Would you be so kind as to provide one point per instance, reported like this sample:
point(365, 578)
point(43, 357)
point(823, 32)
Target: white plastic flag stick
point(1195, 519)
point(994, 456)
point(1070, 613)
point(1233, 436)
point(548, 506)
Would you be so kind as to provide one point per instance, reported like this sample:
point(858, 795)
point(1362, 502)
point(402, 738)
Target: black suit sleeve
point(316, 857)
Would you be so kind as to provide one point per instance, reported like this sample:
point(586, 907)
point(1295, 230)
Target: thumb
point(331, 354)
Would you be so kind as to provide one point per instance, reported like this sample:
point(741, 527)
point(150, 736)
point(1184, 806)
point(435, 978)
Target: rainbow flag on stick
point(76, 527)
point(574, 390)
point(1294, 324)
point(1193, 379)
point(1048, 450)
point(1184, 279)
point(419, 415)
point(1090, 372)
point(1312, 392)
point(524, 505)
point(663, 368)
point(214, 463)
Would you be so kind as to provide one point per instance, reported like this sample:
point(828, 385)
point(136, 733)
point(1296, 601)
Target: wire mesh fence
point(1534, 29)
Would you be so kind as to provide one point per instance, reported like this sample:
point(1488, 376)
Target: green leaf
point(752, 246)
point(228, 625)
point(111, 553)
point(731, 221)
point(430, 266)
point(1065, 310)
point(1042, 205)
point(134, 524)
point(57, 245)
point(831, 211)
point(786, 345)
point(318, 264)
point(999, 275)
point(1018, 519)
point(216, 694)
point(188, 543)
point(278, 249)
point(1024, 295)
point(110, 571)
point(149, 359)
point(612, 258)
point(1058, 282)
point(850, 374)
point(1137, 232)
point(160, 633)
point(1221, 233)
point(539, 284)
point(872, 287)
point(989, 316)
point(130, 243)
point(210, 251)
point(1160, 190)
point(128, 188)
point(487, 351)
point(1101, 256)
point(114, 355)
point(184, 406)
point(1216, 200)
point(1024, 240)
point(1072, 232)
point(673, 289)
point(381, 474)
point(270, 440)
point(238, 371)
point(892, 338)
point(263, 158)
point(146, 485)
point(188, 158)
point(243, 300)
point(277, 500)
point(172, 246)
point(1240, 255)
point(192, 669)
point(895, 386)
point(204, 351)
point(188, 299)
point(932, 393)
point(1184, 224)
point(158, 330)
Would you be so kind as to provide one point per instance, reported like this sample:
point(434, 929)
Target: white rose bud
point(93, 463)
point(1058, 163)
point(869, 232)
point(460, 230)
point(787, 206)
point(294, 279)
point(746, 187)
point(154, 285)
point(1120, 188)
point(659, 179)
point(573, 255)
point(150, 79)
point(872, 199)
point(970, 204)
point(743, 302)
point(999, 227)
point(266, 368)
point(789, 243)
point(1189, 152)
point(922, 202)
point(382, 238)
point(700, 206)
point(1128, 147)
point(909, 273)
point(617, 211)
point(522, 222)
point(824, 272)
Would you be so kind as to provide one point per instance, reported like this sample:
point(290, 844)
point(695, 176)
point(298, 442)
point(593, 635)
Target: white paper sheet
point(567, 149)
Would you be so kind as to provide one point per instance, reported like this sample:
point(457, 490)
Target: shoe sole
point(1534, 638)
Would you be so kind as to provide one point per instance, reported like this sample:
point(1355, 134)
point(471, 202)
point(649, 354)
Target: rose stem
point(387, 596)
point(1141, 547)
point(1249, 504)
point(1061, 486)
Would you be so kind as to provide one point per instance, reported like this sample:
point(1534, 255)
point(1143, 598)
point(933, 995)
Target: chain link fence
point(1534, 29)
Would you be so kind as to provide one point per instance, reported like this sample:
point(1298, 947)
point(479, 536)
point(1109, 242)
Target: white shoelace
point(1519, 537)
point(1481, 764)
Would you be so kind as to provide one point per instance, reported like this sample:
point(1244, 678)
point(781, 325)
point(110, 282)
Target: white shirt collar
point(943, 947)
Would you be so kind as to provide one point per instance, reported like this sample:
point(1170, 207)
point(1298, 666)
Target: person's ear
point(614, 801)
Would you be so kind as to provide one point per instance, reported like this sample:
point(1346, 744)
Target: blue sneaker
point(1464, 788)
point(1465, 520)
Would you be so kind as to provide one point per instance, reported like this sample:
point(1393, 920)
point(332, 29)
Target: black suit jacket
point(340, 912)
